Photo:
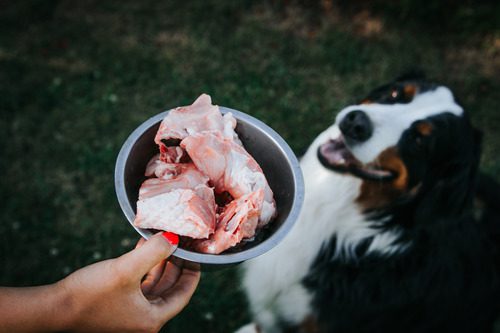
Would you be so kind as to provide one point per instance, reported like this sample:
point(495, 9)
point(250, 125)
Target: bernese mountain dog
point(399, 230)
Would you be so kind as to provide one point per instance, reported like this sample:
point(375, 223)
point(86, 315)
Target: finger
point(152, 277)
point(141, 260)
point(178, 296)
point(169, 277)
point(193, 266)
point(140, 242)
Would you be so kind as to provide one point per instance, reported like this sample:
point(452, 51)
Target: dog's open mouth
point(335, 155)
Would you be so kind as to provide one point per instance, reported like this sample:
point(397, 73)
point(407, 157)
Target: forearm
point(107, 296)
point(34, 309)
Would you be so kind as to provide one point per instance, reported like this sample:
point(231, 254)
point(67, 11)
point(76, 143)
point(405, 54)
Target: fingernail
point(171, 237)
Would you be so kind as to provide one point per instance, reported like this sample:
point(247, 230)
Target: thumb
point(144, 258)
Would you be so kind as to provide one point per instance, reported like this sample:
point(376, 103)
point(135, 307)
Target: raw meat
point(198, 147)
point(182, 203)
point(180, 211)
point(196, 118)
point(230, 168)
point(238, 220)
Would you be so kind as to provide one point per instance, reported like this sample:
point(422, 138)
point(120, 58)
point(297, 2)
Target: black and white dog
point(391, 238)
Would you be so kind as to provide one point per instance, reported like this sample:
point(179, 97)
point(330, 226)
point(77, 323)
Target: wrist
point(64, 307)
point(35, 309)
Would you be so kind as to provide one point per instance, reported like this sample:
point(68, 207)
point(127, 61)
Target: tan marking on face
point(375, 194)
point(424, 128)
point(410, 90)
point(366, 101)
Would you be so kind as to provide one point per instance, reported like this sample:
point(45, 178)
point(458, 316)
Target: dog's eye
point(401, 94)
point(397, 95)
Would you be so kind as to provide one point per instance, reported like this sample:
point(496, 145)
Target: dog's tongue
point(335, 153)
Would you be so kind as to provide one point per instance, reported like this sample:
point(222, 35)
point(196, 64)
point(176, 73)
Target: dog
point(399, 230)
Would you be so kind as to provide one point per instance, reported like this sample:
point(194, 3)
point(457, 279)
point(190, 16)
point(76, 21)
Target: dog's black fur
point(448, 281)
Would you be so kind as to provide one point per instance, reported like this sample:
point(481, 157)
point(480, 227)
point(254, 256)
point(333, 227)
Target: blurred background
point(76, 77)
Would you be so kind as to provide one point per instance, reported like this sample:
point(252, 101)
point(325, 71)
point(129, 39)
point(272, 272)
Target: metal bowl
point(273, 154)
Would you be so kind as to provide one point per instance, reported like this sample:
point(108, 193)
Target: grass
point(77, 78)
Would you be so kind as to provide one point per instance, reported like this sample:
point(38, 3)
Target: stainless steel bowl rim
point(229, 258)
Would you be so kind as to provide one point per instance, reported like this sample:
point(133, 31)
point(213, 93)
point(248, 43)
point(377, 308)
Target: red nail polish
point(171, 237)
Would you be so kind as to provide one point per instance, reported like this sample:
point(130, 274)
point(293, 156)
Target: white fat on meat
point(180, 211)
point(196, 199)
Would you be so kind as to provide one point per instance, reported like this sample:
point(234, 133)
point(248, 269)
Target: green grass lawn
point(77, 77)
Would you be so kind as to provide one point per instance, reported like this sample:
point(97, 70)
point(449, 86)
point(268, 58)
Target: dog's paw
point(249, 328)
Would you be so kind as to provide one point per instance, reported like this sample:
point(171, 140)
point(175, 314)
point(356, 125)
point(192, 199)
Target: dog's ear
point(414, 74)
point(450, 188)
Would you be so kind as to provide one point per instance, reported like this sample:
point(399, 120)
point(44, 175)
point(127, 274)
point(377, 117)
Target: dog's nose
point(356, 126)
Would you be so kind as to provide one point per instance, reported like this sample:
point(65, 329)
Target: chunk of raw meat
point(180, 202)
point(230, 168)
point(171, 154)
point(238, 220)
point(197, 146)
point(186, 171)
point(157, 167)
point(199, 117)
point(181, 211)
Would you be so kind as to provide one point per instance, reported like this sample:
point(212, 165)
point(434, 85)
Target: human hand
point(137, 292)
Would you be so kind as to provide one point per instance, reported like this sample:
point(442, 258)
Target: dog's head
point(404, 137)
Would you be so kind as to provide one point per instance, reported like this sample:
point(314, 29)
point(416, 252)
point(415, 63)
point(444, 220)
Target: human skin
point(136, 292)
